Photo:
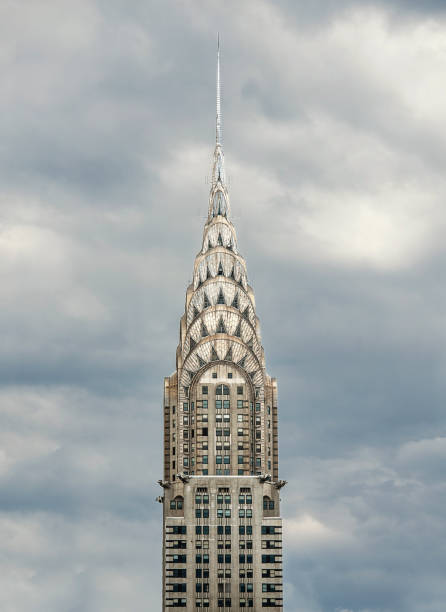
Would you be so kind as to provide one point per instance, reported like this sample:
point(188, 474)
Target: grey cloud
point(107, 129)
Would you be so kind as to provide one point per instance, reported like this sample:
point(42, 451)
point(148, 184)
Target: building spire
point(218, 117)
point(219, 200)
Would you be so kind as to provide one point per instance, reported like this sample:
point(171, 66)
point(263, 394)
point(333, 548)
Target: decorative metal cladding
point(220, 322)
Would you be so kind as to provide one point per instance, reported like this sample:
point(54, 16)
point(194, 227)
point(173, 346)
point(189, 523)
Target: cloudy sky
point(335, 142)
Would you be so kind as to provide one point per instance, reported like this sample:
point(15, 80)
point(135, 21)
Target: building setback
point(222, 531)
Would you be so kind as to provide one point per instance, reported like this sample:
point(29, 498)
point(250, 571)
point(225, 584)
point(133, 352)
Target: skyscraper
point(222, 531)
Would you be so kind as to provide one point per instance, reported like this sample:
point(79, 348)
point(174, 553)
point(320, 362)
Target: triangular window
point(221, 297)
point(196, 312)
point(245, 313)
point(232, 273)
point(220, 241)
point(209, 244)
point(192, 343)
point(235, 301)
point(230, 246)
point(191, 374)
point(241, 363)
point(214, 356)
point(252, 374)
point(228, 356)
point(206, 302)
point(220, 270)
point(208, 274)
point(221, 329)
point(204, 331)
point(201, 362)
point(250, 342)
point(238, 332)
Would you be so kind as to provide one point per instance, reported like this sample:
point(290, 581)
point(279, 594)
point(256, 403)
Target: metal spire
point(219, 201)
point(218, 119)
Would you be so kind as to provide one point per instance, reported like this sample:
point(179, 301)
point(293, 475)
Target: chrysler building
point(222, 530)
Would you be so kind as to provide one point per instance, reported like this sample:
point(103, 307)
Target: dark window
point(222, 390)
point(204, 390)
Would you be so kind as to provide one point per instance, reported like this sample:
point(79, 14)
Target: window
point(226, 459)
point(240, 418)
point(226, 432)
point(222, 390)
point(185, 420)
point(205, 458)
point(204, 431)
point(218, 404)
point(227, 513)
point(240, 460)
point(186, 406)
point(226, 404)
point(229, 374)
point(218, 460)
point(204, 404)
point(239, 390)
point(204, 390)
point(214, 374)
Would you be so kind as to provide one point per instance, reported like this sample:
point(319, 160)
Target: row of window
point(221, 558)
point(224, 603)
point(177, 504)
point(203, 573)
point(222, 529)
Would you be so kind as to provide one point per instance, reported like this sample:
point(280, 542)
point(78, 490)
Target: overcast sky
point(334, 127)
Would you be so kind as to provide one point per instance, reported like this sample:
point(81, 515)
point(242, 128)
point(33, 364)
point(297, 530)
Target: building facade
point(222, 531)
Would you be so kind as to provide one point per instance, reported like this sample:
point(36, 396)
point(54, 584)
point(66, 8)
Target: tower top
point(218, 198)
